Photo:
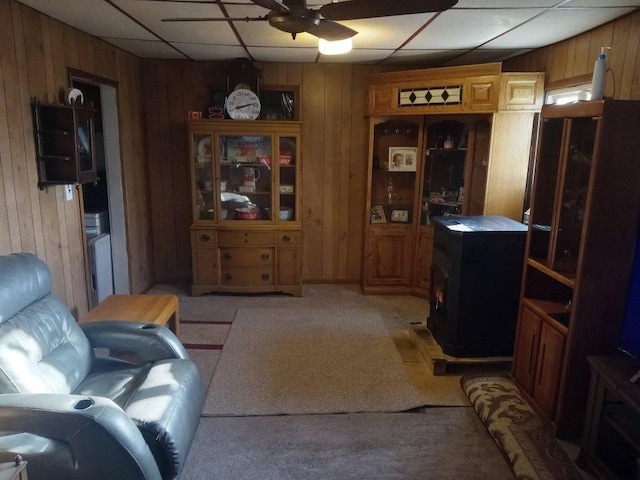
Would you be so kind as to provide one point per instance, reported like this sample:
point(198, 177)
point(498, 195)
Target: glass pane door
point(545, 188)
point(246, 180)
point(575, 183)
point(203, 167)
point(288, 176)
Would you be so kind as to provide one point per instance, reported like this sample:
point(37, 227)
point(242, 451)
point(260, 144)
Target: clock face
point(243, 104)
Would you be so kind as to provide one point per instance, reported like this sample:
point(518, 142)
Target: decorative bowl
point(247, 213)
point(286, 213)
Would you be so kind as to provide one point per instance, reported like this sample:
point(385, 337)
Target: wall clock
point(243, 104)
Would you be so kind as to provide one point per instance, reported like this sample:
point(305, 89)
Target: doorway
point(106, 258)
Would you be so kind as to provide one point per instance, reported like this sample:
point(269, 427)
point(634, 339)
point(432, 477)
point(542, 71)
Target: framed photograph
point(403, 159)
point(377, 214)
point(400, 216)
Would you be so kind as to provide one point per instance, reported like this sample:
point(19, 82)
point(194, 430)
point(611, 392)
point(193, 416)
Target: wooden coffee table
point(158, 309)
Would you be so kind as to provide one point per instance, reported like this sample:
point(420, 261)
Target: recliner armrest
point(89, 437)
point(149, 342)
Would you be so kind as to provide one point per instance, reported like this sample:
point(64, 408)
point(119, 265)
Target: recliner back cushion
point(42, 349)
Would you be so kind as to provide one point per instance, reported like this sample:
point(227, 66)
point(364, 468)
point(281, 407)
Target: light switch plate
point(68, 192)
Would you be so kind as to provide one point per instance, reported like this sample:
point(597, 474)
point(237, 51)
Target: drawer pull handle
point(227, 255)
point(264, 256)
point(266, 276)
point(205, 238)
point(228, 276)
point(286, 238)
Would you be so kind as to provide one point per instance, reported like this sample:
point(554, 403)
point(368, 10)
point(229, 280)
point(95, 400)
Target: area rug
point(526, 440)
point(439, 444)
point(294, 361)
point(208, 335)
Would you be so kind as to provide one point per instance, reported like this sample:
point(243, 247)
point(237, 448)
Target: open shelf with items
point(64, 137)
point(580, 241)
point(246, 181)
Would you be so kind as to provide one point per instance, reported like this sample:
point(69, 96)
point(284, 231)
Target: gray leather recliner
point(75, 414)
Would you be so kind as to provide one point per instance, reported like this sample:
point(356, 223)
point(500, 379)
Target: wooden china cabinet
point(246, 190)
point(442, 141)
point(583, 222)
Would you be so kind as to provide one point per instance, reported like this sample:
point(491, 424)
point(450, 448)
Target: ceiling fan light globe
point(339, 47)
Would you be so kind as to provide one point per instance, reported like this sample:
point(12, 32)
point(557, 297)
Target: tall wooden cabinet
point(453, 140)
point(584, 218)
point(246, 179)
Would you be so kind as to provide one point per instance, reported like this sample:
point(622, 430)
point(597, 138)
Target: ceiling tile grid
point(472, 31)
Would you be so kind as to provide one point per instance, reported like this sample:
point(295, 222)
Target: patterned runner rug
point(526, 440)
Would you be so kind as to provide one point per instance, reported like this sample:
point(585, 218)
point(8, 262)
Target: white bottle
point(599, 75)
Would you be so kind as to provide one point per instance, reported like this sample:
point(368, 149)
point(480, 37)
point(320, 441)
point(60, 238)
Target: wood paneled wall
point(35, 52)
point(574, 58)
point(332, 97)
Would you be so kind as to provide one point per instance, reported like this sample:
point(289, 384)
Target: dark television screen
point(630, 335)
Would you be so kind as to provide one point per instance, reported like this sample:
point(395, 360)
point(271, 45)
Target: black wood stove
point(475, 284)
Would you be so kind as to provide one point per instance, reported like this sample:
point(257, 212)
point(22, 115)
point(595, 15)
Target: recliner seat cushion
point(166, 408)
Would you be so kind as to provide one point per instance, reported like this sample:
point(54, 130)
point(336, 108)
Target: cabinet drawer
point(288, 238)
point(246, 277)
point(245, 238)
point(203, 238)
point(246, 257)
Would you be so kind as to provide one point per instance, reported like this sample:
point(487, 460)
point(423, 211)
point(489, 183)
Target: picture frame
point(403, 159)
point(400, 216)
point(377, 214)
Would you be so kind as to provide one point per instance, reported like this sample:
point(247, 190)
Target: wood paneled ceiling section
point(473, 31)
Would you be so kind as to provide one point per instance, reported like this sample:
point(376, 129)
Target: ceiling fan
point(293, 16)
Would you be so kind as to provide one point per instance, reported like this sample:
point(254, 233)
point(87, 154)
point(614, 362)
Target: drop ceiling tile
point(460, 30)
point(386, 32)
point(357, 56)
point(96, 17)
point(555, 25)
point(507, 3)
point(151, 17)
point(601, 3)
point(426, 57)
point(199, 51)
point(294, 55)
point(146, 48)
point(485, 56)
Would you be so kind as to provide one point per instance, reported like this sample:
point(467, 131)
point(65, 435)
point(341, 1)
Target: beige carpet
point(289, 361)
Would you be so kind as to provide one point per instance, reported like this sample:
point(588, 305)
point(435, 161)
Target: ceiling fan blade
point(357, 9)
point(272, 5)
point(331, 31)
point(214, 19)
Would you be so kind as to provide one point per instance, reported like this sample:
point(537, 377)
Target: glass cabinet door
point(246, 177)
point(204, 191)
point(573, 193)
point(544, 189)
point(394, 168)
point(84, 141)
point(287, 165)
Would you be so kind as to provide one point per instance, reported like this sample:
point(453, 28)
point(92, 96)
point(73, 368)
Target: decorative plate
point(204, 147)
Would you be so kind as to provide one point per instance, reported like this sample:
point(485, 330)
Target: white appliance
point(100, 267)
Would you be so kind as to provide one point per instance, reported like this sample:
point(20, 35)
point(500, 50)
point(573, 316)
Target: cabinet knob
point(266, 276)
point(264, 256)
point(228, 276)
point(205, 238)
point(286, 238)
point(227, 255)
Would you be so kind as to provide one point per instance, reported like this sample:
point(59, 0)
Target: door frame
point(115, 184)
